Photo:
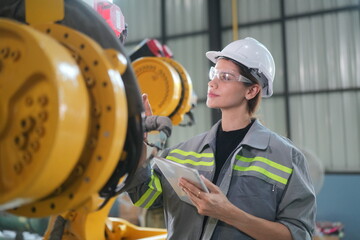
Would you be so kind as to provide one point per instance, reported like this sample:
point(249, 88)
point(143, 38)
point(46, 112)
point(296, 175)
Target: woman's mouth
point(211, 95)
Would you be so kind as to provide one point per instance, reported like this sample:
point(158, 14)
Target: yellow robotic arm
point(71, 121)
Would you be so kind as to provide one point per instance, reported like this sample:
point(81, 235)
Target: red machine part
point(112, 14)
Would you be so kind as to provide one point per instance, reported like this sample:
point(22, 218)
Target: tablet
point(173, 171)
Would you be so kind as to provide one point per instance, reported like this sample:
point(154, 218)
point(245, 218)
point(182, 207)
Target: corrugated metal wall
point(316, 47)
point(185, 17)
point(182, 17)
point(326, 57)
point(143, 18)
point(322, 60)
point(190, 52)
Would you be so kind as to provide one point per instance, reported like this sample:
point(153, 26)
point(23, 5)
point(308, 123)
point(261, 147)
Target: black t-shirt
point(226, 142)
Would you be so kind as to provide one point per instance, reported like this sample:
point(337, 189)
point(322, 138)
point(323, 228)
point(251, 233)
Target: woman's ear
point(252, 91)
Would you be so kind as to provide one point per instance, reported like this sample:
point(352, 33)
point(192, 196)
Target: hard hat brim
point(213, 55)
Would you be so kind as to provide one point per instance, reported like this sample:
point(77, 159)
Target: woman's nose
point(212, 83)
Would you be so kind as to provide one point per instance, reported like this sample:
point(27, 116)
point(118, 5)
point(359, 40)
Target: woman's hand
point(146, 104)
point(213, 204)
point(147, 108)
point(148, 112)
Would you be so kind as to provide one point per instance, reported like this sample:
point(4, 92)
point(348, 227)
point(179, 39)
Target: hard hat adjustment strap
point(259, 76)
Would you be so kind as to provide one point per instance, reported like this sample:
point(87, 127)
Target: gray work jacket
point(266, 176)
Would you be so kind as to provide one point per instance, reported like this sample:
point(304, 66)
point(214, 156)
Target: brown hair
point(254, 103)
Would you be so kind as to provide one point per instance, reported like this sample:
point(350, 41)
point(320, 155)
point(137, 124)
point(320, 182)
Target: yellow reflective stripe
point(265, 160)
point(263, 171)
point(159, 190)
point(189, 161)
point(152, 200)
point(145, 196)
point(197, 155)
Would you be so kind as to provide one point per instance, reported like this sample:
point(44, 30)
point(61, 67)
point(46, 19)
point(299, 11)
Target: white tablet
point(173, 171)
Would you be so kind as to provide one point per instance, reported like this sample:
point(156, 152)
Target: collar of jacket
point(257, 137)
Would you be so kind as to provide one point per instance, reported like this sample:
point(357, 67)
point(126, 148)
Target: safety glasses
point(227, 76)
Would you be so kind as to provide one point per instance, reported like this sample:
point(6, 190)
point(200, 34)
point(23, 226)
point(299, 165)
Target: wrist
point(234, 216)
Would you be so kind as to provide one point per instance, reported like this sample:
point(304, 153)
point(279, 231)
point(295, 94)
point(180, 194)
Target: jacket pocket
point(255, 196)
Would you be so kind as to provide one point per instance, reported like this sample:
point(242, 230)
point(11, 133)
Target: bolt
point(76, 57)
point(29, 101)
point(40, 131)
point(16, 55)
point(97, 111)
point(43, 116)
point(79, 170)
point(35, 145)
point(27, 124)
point(43, 100)
point(20, 141)
point(18, 167)
point(5, 52)
point(90, 82)
point(26, 157)
point(92, 142)
point(58, 190)
point(87, 179)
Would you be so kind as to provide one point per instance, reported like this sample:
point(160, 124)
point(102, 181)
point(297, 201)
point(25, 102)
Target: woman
point(258, 183)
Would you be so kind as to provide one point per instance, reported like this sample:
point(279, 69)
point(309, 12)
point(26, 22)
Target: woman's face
point(226, 94)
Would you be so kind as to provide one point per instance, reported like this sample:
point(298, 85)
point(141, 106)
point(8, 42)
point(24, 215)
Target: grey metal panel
point(272, 114)
point(143, 18)
point(129, 48)
point(250, 11)
point(327, 124)
point(351, 118)
point(190, 52)
point(270, 36)
point(303, 6)
point(203, 123)
point(183, 16)
point(324, 52)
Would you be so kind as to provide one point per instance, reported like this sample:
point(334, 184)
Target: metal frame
point(215, 39)
point(215, 42)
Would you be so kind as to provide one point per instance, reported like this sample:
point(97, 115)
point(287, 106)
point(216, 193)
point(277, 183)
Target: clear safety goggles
point(227, 76)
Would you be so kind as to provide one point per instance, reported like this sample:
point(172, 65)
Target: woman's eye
point(227, 77)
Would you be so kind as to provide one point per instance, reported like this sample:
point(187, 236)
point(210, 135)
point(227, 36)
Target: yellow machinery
point(168, 85)
point(71, 122)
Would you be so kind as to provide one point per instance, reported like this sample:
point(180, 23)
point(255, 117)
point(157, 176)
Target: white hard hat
point(253, 55)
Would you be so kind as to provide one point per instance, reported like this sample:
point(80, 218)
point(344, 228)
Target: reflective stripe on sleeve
point(149, 197)
point(264, 166)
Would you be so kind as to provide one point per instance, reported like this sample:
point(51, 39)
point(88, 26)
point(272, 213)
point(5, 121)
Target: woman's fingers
point(147, 108)
point(190, 188)
point(211, 187)
point(146, 104)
